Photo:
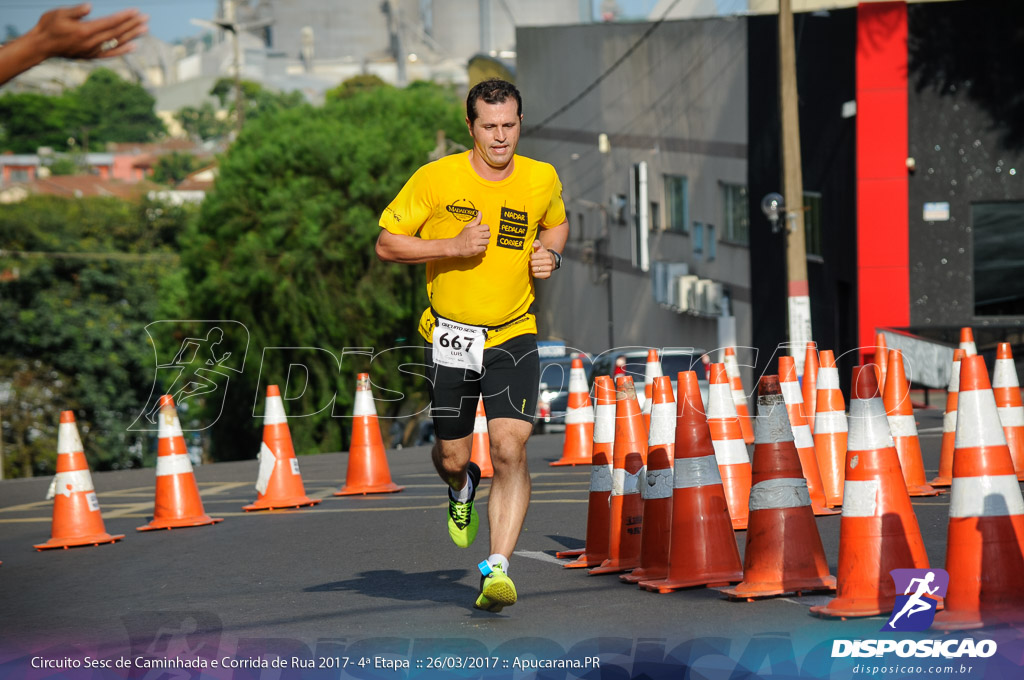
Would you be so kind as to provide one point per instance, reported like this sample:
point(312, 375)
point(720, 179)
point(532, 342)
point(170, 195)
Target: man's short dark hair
point(493, 91)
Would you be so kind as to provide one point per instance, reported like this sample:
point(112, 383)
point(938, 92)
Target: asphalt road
point(366, 576)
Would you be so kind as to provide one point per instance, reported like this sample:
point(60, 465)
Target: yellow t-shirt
point(495, 287)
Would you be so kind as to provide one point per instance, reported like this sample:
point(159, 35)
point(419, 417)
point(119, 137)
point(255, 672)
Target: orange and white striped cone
point(903, 427)
point(809, 384)
point(279, 482)
point(76, 519)
point(481, 453)
point(945, 476)
point(878, 531)
point(803, 440)
point(595, 550)
point(739, 395)
point(784, 553)
point(881, 360)
point(368, 470)
point(652, 370)
point(177, 495)
point(830, 429)
point(657, 487)
point(578, 448)
point(730, 450)
point(702, 544)
point(985, 538)
point(967, 341)
point(1006, 389)
point(628, 461)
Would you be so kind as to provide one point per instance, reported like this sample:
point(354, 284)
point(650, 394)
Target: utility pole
point(798, 296)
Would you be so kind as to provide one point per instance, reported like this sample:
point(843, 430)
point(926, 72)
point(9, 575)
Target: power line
point(618, 62)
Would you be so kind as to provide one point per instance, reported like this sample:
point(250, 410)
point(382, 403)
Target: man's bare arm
point(404, 249)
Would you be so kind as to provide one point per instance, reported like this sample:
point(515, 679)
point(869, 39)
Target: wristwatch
point(558, 258)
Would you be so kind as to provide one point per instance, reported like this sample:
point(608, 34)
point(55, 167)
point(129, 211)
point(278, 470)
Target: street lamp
point(773, 205)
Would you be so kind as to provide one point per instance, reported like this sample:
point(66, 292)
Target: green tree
point(72, 323)
point(355, 85)
point(29, 121)
point(115, 110)
point(173, 167)
point(202, 122)
point(63, 166)
point(284, 245)
point(258, 100)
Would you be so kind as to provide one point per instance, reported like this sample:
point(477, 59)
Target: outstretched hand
point(63, 32)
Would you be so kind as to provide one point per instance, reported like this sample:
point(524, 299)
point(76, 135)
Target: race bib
point(459, 345)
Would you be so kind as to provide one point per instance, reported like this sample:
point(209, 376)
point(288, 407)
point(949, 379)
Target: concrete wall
point(678, 102)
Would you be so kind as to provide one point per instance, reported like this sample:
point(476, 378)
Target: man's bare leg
point(510, 487)
point(451, 456)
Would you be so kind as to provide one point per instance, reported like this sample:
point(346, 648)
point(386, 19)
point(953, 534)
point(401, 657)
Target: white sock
point(499, 560)
point(466, 493)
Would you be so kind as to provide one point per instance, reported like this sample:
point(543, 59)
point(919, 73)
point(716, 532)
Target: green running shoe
point(463, 519)
point(496, 589)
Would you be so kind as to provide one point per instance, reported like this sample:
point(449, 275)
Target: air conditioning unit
point(712, 298)
point(686, 295)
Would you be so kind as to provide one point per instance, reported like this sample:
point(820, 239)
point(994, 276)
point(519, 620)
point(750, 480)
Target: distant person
point(620, 366)
point(63, 32)
point(487, 223)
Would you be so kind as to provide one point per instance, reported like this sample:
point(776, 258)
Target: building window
point(998, 240)
point(736, 213)
point(20, 175)
point(677, 206)
point(710, 249)
point(698, 238)
point(812, 223)
point(655, 217)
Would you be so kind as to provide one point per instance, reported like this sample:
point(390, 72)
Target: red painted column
point(883, 268)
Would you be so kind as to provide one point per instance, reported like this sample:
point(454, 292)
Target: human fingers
point(123, 43)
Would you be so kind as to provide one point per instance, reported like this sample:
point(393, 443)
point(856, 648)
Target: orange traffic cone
point(967, 341)
point(652, 370)
point(730, 450)
point(739, 396)
point(801, 435)
point(630, 456)
point(76, 511)
point(1011, 413)
point(903, 427)
point(985, 538)
point(481, 453)
point(879, 530)
point(945, 476)
point(881, 360)
point(595, 550)
point(579, 420)
point(702, 545)
point(177, 495)
point(830, 429)
point(809, 386)
point(368, 470)
point(279, 484)
point(784, 552)
point(657, 487)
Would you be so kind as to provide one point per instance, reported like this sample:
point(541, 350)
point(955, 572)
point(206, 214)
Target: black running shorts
point(510, 384)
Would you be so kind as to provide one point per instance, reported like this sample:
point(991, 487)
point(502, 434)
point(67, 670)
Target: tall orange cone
point(903, 426)
point(801, 435)
point(879, 530)
point(595, 550)
point(652, 370)
point(481, 453)
point(739, 395)
point(177, 495)
point(784, 553)
point(279, 483)
point(657, 486)
point(881, 360)
point(702, 545)
point(945, 476)
point(985, 538)
point(368, 470)
point(967, 341)
point(809, 386)
point(76, 511)
point(578, 447)
point(830, 429)
point(1011, 413)
point(626, 507)
point(730, 450)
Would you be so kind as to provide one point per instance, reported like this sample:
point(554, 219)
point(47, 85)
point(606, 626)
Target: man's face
point(495, 132)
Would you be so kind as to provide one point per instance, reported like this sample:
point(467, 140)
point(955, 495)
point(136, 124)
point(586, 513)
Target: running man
point(487, 223)
point(916, 603)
